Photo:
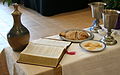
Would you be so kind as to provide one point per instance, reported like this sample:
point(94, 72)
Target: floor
point(41, 26)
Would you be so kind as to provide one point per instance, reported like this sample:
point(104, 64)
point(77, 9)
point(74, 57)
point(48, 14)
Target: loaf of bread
point(75, 35)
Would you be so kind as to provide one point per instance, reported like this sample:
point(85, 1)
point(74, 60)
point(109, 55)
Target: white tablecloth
point(106, 62)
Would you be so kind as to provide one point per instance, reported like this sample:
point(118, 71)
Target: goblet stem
point(95, 27)
point(97, 24)
point(109, 32)
point(108, 39)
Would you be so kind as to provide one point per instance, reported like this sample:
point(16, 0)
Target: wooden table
point(3, 64)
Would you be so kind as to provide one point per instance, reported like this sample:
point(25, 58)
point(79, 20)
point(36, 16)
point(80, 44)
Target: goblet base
point(109, 40)
point(95, 29)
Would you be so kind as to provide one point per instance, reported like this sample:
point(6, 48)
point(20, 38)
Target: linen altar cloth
point(106, 62)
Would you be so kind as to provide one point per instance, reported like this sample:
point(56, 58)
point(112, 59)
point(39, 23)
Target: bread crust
point(75, 35)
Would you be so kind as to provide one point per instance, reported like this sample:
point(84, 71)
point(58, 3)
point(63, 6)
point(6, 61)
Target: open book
point(44, 52)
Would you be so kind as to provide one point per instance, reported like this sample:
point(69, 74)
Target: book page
point(43, 50)
point(46, 48)
point(52, 42)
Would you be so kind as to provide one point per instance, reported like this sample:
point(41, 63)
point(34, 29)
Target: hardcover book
point(44, 52)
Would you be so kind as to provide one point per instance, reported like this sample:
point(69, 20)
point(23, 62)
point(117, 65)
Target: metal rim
point(91, 36)
point(97, 3)
point(93, 50)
